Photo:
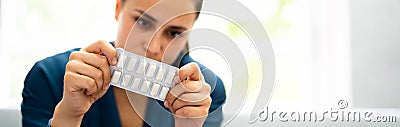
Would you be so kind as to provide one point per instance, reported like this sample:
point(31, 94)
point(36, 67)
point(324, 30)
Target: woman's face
point(153, 28)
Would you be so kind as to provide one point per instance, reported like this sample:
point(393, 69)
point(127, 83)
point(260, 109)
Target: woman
point(72, 88)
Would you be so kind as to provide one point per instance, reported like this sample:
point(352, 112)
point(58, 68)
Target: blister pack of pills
point(142, 75)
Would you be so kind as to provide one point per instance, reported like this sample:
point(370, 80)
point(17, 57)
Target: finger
point(191, 111)
point(80, 83)
point(173, 94)
point(169, 99)
point(186, 87)
point(189, 86)
point(190, 71)
point(99, 93)
point(103, 47)
point(94, 60)
point(193, 97)
point(180, 103)
point(87, 70)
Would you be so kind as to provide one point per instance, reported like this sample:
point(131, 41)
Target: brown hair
point(199, 5)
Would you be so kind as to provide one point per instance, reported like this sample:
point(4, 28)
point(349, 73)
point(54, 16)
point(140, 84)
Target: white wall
point(375, 52)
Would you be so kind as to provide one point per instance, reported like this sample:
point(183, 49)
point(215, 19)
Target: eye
point(143, 22)
point(174, 33)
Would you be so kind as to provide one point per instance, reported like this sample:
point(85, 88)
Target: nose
point(154, 47)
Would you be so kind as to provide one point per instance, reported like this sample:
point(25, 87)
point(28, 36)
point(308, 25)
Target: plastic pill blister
point(142, 75)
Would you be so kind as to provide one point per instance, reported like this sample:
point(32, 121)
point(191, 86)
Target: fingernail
point(166, 104)
point(114, 61)
point(176, 79)
point(106, 87)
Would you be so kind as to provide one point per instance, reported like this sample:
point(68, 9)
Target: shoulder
point(42, 90)
point(54, 60)
point(54, 66)
point(48, 74)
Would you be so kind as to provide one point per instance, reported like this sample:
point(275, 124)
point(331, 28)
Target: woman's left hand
point(190, 99)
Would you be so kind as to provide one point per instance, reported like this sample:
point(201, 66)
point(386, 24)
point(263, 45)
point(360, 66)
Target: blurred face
point(153, 28)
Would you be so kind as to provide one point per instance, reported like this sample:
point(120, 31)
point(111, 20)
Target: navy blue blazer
point(43, 89)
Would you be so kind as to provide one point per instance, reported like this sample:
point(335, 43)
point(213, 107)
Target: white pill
point(135, 83)
point(141, 68)
point(154, 89)
point(160, 74)
point(145, 86)
point(142, 75)
point(151, 70)
point(125, 81)
point(131, 64)
point(115, 77)
point(163, 93)
point(170, 77)
point(121, 61)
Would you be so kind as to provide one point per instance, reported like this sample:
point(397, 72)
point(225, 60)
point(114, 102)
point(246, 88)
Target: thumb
point(103, 47)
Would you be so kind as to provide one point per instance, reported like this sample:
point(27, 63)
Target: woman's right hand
point(87, 77)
